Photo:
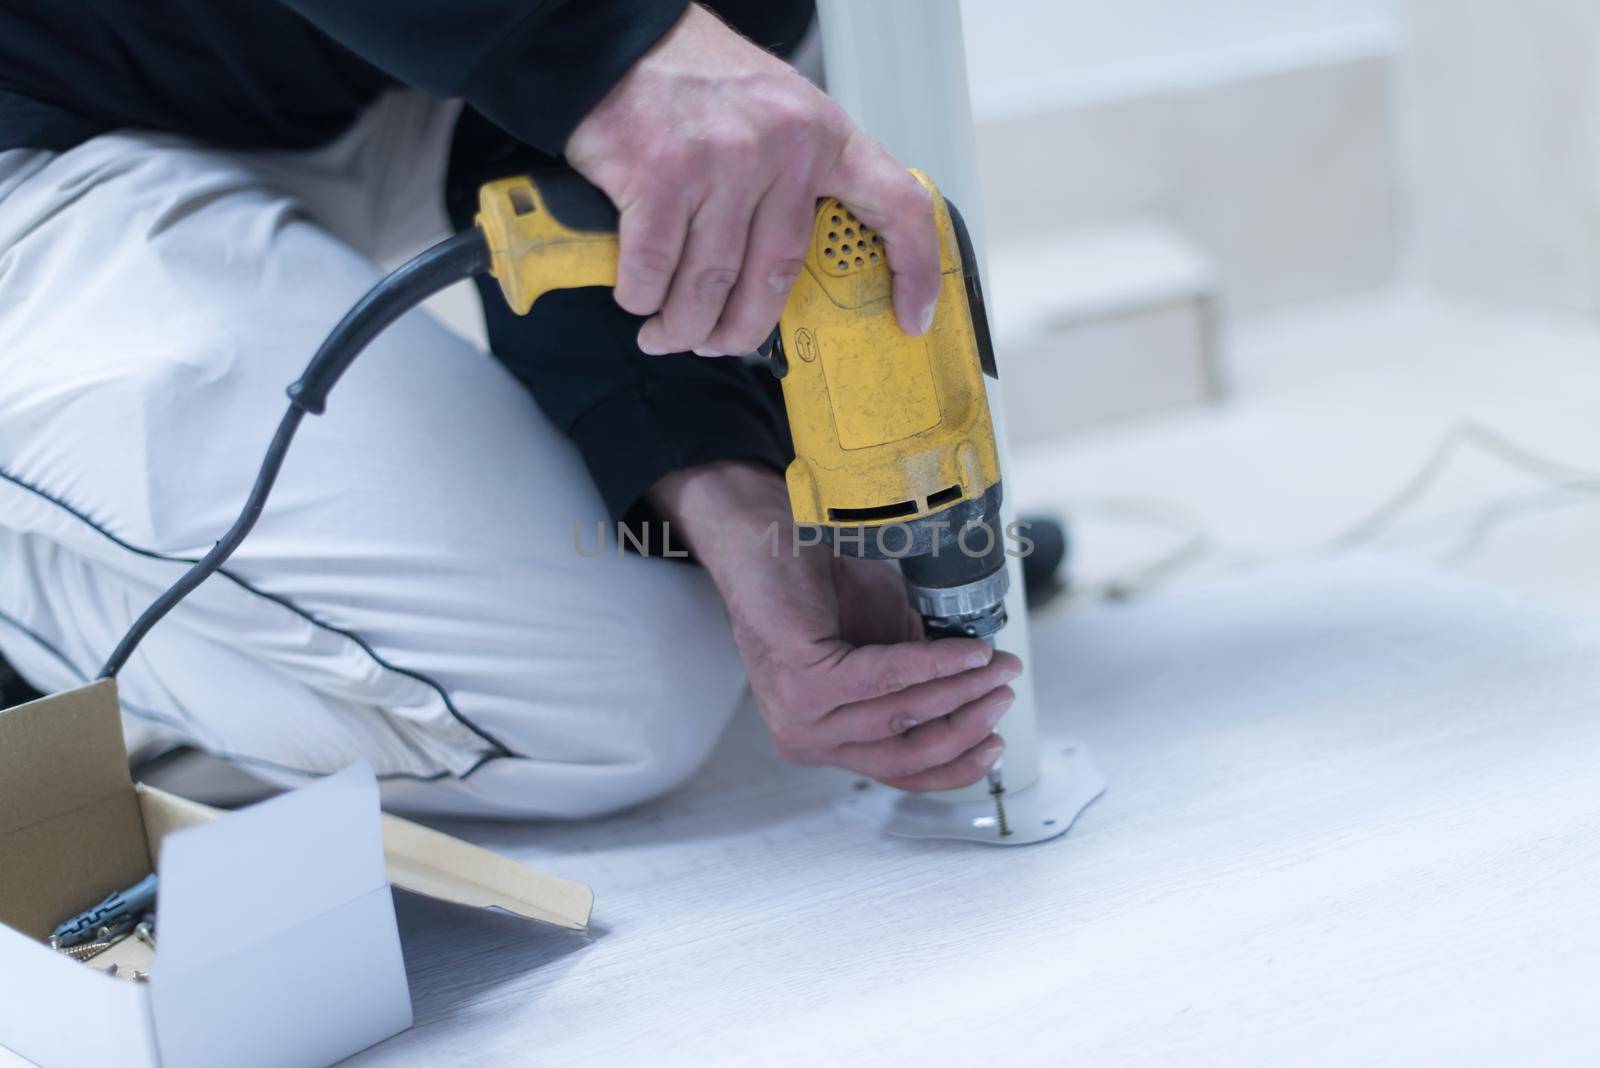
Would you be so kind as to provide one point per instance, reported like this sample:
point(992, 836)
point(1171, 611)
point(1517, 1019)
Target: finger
point(779, 237)
point(887, 198)
point(897, 713)
point(862, 672)
point(933, 743)
point(650, 234)
point(705, 276)
point(964, 770)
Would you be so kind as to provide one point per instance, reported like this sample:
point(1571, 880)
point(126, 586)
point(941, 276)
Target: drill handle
point(552, 230)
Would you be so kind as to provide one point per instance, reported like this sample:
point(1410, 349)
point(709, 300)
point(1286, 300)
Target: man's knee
point(679, 727)
point(637, 719)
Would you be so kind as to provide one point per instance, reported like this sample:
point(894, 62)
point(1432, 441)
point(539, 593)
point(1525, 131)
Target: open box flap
point(278, 937)
point(60, 753)
point(64, 779)
point(426, 862)
point(227, 885)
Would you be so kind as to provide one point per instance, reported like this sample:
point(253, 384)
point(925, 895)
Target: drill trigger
point(772, 348)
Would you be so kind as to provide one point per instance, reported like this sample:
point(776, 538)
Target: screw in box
point(85, 950)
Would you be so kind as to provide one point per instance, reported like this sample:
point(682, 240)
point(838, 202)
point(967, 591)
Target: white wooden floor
point(1353, 815)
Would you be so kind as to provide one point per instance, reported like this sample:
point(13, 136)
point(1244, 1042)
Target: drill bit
point(997, 789)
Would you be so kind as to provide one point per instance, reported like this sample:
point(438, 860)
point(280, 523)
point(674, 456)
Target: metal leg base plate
point(1068, 782)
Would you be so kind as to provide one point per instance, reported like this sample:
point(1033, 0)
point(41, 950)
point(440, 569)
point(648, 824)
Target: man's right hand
point(715, 153)
point(836, 657)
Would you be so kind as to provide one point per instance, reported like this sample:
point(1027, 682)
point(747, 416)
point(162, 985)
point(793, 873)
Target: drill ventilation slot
point(849, 243)
point(881, 511)
point(948, 495)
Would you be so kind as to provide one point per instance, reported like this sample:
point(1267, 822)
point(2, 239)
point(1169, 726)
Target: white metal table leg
point(899, 68)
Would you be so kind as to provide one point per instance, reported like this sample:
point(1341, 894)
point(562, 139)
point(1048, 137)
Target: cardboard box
point(276, 934)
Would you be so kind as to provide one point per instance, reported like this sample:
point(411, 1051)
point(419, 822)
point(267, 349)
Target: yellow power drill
point(894, 452)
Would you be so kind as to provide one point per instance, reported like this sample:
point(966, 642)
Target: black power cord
point(454, 260)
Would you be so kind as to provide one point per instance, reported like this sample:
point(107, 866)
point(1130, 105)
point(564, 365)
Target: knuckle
point(787, 97)
point(914, 205)
point(901, 720)
point(831, 114)
point(788, 124)
point(737, 144)
point(650, 262)
point(893, 680)
point(715, 281)
point(665, 155)
point(795, 117)
point(784, 272)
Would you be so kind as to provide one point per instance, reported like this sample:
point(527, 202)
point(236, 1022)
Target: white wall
point(1500, 108)
point(1024, 55)
point(1257, 130)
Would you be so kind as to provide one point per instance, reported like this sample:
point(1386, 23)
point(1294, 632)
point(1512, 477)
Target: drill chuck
point(959, 588)
point(976, 609)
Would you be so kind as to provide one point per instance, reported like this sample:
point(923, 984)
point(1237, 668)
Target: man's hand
point(835, 655)
point(715, 153)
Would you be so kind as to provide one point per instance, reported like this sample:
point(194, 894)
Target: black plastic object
point(576, 203)
point(1046, 568)
point(975, 305)
point(444, 264)
point(772, 349)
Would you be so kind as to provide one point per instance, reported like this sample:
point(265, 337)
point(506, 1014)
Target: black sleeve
point(533, 67)
point(633, 418)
